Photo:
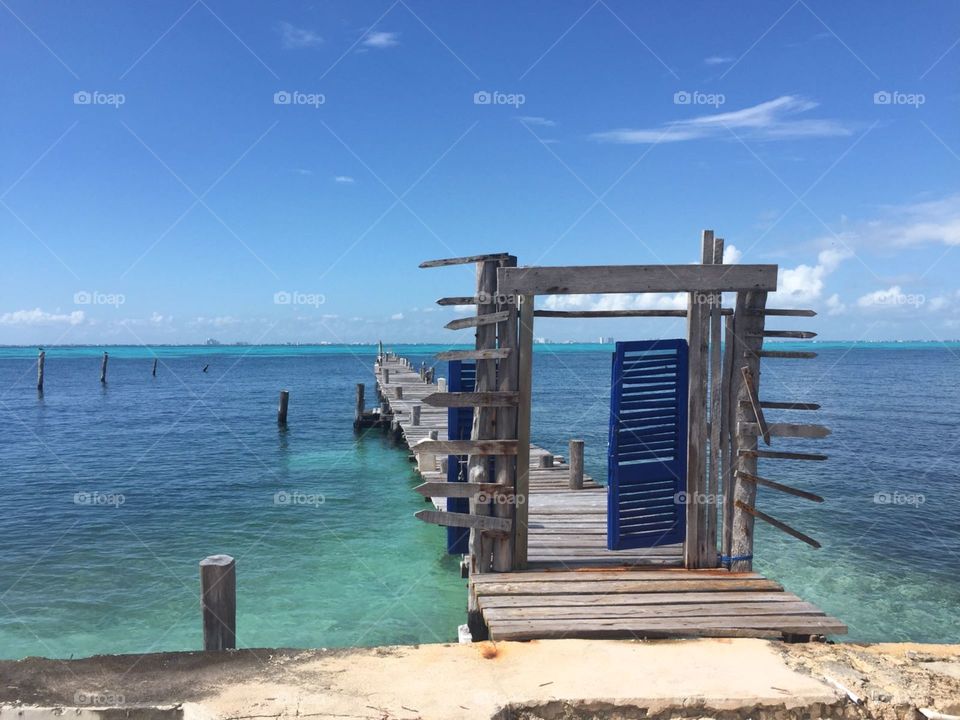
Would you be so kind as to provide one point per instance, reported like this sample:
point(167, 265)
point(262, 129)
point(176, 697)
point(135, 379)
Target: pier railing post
point(282, 407)
point(415, 415)
point(218, 602)
point(399, 392)
point(386, 376)
point(576, 464)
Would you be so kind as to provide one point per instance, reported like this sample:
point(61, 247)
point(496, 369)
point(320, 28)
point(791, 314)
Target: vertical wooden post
point(716, 389)
point(380, 351)
point(415, 415)
point(505, 466)
point(576, 464)
point(40, 361)
point(154, 371)
point(386, 376)
point(727, 412)
point(218, 601)
point(399, 392)
point(546, 461)
point(749, 322)
point(282, 407)
point(103, 370)
point(441, 384)
point(360, 407)
point(695, 545)
point(524, 387)
point(427, 462)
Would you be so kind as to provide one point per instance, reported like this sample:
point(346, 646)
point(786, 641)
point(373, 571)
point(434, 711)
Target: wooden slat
point(461, 489)
point(617, 313)
point(604, 587)
point(789, 354)
point(472, 399)
point(589, 279)
point(778, 524)
point(772, 405)
point(779, 486)
point(791, 430)
point(751, 391)
point(786, 312)
point(484, 523)
point(525, 387)
point(477, 321)
point(777, 455)
point(487, 354)
point(466, 447)
point(628, 599)
point(797, 334)
point(462, 300)
point(561, 576)
point(444, 262)
point(715, 425)
point(709, 609)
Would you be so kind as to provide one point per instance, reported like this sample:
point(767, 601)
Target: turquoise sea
point(112, 495)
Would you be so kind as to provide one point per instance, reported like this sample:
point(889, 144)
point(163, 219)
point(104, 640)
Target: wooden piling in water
point(103, 369)
point(576, 464)
point(154, 373)
point(358, 411)
point(40, 360)
point(218, 602)
point(282, 407)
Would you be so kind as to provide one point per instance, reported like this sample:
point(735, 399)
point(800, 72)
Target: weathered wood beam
point(464, 300)
point(772, 405)
point(477, 321)
point(488, 354)
point(786, 312)
point(482, 523)
point(461, 489)
point(751, 390)
point(472, 399)
point(466, 447)
point(790, 354)
point(466, 260)
point(777, 524)
point(796, 334)
point(792, 430)
point(617, 313)
point(773, 485)
point(589, 279)
point(777, 455)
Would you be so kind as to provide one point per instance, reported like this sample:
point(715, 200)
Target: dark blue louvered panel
point(461, 377)
point(647, 449)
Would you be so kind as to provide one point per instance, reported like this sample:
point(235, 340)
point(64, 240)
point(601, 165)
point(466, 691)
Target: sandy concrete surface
point(545, 679)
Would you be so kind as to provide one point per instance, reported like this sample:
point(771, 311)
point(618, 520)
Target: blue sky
point(170, 167)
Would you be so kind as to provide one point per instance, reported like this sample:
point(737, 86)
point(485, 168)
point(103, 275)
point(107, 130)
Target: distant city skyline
point(273, 173)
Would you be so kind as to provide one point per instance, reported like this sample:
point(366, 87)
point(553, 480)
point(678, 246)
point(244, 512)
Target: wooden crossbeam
point(488, 354)
point(472, 399)
point(616, 313)
point(793, 354)
point(773, 405)
point(776, 455)
point(466, 447)
point(749, 477)
point(589, 279)
point(444, 262)
point(751, 389)
point(783, 312)
point(791, 430)
point(478, 320)
point(796, 334)
point(461, 489)
point(485, 523)
point(777, 524)
point(463, 300)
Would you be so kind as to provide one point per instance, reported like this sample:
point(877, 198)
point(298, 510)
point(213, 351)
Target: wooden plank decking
point(575, 588)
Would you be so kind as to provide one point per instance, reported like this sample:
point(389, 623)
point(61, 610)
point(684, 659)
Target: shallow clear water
point(173, 468)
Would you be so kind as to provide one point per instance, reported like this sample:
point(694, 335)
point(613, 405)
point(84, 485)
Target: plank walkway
point(574, 587)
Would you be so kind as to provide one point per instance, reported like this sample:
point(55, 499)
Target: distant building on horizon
point(606, 340)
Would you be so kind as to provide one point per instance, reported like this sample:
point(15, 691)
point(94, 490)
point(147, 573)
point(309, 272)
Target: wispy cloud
point(39, 317)
point(718, 60)
point(380, 39)
point(293, 37)
point(936, 222)
point(344, 180)
point(771, 120)
point(641, 301)
point(536, 120)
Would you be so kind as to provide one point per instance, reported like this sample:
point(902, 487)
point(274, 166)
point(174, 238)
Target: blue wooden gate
point(462, 377)
point(647, 451)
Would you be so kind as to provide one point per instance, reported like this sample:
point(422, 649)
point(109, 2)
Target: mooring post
point(40, 359)
point(546, 461)
point(442, 385)
point(282, 407)
point(103, 369)
point(154, 373)
point(576, 464)
point(428, 461)
point(415, 415)
point(380, 351)
point(218, 602)
point(399, 392)
point(423, 372)
point(358, 412)
point(386, 376)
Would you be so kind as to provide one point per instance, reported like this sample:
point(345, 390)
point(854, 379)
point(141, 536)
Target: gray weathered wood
point(487, 354)
point(546, 460)
point(398, 392)
point(482, 523)
point(773, 485)
point(777, 524)
point(218, 602)
point(796, 334)
point(788, 405)
point(505, 467)
point(792, 430)
point(472, 399)
point(466, 260)
point(714, 254)
point(728, 457)
point(576, 464)
point(777, 455)
point(491, 318)
point(750, 387)
point(103, 369)
point(360, 405)
point(415, 415)
point(525, 385)
point(467, 447)
point(635, 279)
point(462, 300)
point(788, 312)
point(789, 354)
point(282, 407)
point(461, 489)
point(41, 357)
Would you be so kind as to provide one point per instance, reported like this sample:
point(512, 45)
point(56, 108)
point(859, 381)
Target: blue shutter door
point(647, 449)
point(462, 377)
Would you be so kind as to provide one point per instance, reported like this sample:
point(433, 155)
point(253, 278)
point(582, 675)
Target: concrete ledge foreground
point(545, 679)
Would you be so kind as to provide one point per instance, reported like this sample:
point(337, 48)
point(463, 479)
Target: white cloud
point(623, 301)
point(718, 60)
point(835, 306)
point(381, 40)
point(772, 120)
point(219, 321)
point(936, 222)
point(805, 283)
point(39, 317)
point(293, 37)
point(535, 120)
point(892, 297)
point(344, 180)
point(397, 316)
point(731, 256)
